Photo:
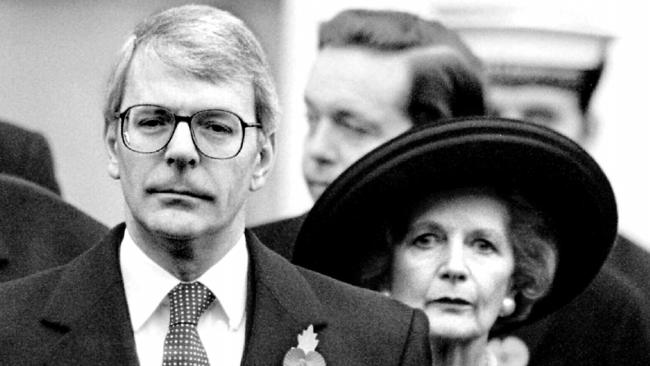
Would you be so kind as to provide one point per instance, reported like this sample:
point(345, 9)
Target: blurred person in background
point(38, 229)
point(377, 74)
point(26, 154)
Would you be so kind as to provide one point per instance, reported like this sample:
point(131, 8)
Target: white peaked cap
point(527, 35)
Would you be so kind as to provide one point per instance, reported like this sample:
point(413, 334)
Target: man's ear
point(110, 143)
point(263, 162)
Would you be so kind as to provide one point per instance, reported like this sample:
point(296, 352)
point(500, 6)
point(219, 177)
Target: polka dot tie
point(183, 346)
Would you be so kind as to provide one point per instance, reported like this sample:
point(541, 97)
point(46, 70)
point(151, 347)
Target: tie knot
point(188, 301)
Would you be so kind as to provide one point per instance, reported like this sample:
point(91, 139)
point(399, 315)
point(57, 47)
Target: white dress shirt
point(221, 328)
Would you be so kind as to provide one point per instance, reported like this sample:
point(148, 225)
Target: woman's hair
point(530, 233)
point(205, 42)
point(534, 246)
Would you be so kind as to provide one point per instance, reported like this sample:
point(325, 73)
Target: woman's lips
point(454, 302)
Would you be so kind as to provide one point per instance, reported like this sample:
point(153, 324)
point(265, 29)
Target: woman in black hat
point(478, 222)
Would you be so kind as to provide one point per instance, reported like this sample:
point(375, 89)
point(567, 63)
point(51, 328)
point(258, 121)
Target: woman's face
point(455, 263)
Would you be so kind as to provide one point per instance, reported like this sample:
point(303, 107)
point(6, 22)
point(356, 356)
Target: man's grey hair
point(208, 43)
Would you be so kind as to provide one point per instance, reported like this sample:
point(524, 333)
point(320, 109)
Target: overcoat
point(38, 230)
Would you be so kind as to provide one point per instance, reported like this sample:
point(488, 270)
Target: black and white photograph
point(312, 183)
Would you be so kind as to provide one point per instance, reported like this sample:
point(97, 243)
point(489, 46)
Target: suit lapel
point(89, 308)
point(282, 305)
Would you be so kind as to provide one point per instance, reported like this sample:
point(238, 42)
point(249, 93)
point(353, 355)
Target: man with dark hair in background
point(377, 74)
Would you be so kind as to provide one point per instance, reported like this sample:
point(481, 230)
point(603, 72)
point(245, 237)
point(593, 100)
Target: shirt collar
point(228, 281)
point(146, 284)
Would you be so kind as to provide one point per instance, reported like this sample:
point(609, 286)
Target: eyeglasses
point(216, 133)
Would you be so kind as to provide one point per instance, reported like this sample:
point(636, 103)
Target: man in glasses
point(189, 130)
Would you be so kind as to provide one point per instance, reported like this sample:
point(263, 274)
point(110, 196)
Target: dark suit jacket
point(606, 325)
point(38, 230)
point(26, 154)
point(77, 315)
point(631, 261)
point(280, 235)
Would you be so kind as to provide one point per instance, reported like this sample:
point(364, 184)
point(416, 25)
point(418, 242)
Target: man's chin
point(177, 227)
point(175, 232)
point(180, 234)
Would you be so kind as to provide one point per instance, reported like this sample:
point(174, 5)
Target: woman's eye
point(426, 240)
point(421, 240)
point(484, 245)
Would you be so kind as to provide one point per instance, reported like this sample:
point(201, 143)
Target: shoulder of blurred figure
point(26, 154)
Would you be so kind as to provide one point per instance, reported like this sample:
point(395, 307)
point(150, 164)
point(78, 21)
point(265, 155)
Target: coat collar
point(88, 305)
point(284, 306)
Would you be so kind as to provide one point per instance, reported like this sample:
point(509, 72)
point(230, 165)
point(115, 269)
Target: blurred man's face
point(553, 107)
point(355, 101)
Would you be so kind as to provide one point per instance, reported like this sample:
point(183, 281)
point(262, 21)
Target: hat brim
point(555, 174)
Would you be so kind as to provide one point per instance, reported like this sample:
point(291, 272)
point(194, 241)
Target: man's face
point(355, 101)
point(178, 193)
point(553, 107)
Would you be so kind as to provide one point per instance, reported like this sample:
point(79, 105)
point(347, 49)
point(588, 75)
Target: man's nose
point(454, 267)
point(181, 149)
point(319, 144)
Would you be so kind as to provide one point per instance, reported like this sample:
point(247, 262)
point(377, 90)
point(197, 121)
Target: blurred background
point(55, 58)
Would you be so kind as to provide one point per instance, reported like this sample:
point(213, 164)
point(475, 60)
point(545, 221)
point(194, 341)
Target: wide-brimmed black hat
point(348, 222)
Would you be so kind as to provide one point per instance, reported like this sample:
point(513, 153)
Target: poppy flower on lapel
point(305, 354)
point(510, 351)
